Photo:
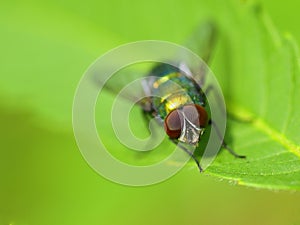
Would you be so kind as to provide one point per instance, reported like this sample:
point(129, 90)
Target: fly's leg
point(224, 145)
point(208, 89)
point(149, 117)
point(176, 142)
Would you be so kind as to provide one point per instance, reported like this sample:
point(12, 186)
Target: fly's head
point(187, 123)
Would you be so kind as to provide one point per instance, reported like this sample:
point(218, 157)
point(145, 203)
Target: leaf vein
point(262, 126)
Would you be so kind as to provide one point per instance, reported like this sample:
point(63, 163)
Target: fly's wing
point(202, 42)
point(129, 82)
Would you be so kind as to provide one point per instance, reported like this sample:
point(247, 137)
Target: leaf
point(259, 72)
point(261, 80)
point(257, 68)
point(45, 48)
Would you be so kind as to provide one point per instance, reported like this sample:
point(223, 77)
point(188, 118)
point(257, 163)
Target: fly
point(181, 105)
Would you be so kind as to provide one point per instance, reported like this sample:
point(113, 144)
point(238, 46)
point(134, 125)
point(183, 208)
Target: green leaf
point(45, 48)
point(261, 77)
point(46, 55)
point(259, 72)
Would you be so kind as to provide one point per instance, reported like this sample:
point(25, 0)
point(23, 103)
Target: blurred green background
point(45, 48)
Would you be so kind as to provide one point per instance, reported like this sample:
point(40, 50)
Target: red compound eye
point(173, 124)
point(196, 114)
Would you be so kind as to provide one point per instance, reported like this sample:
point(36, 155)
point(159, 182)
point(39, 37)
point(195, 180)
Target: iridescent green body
point(175, 90)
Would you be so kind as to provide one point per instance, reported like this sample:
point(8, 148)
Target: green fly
point(181, 108)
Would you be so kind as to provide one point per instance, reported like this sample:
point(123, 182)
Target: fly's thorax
point(175, 90)
point(176, 100)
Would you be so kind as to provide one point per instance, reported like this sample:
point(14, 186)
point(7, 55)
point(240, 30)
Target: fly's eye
point(196, 114)
point(173, 124)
